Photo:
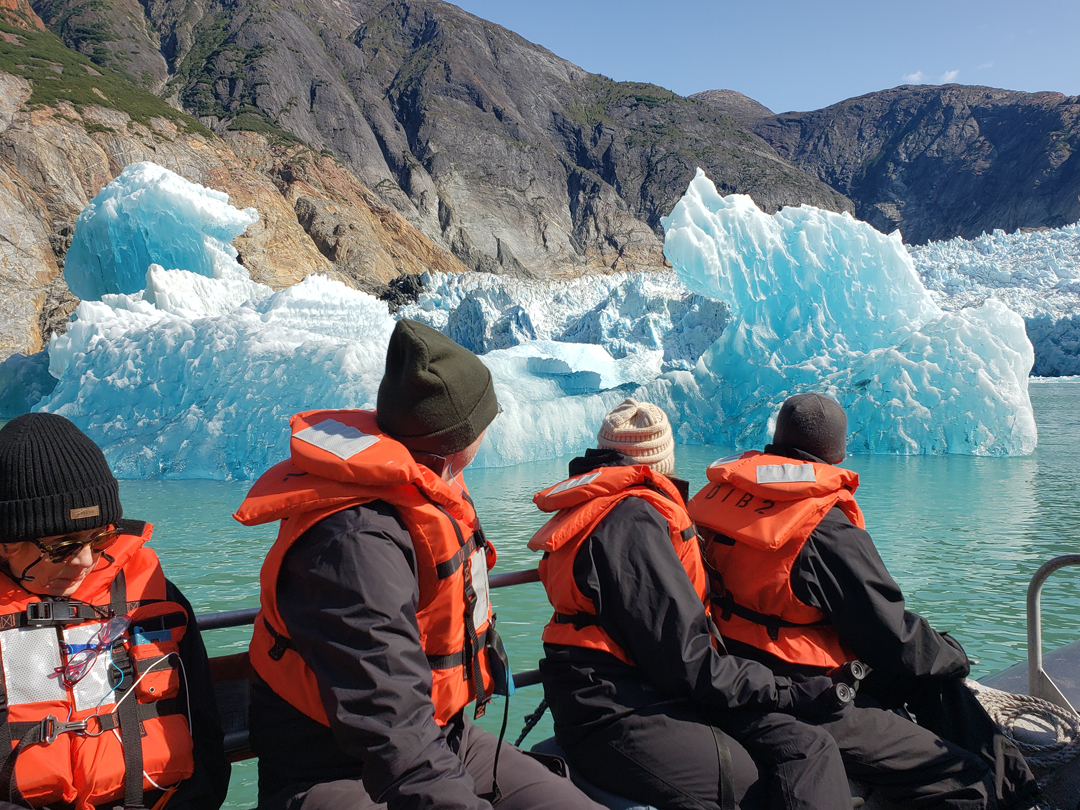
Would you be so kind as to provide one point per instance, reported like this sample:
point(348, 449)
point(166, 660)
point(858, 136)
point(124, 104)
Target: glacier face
point(626, 313)
point(823, 302)
point(194, 373)
point(1036, 274)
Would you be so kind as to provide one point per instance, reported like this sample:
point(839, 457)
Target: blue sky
point(806, 55)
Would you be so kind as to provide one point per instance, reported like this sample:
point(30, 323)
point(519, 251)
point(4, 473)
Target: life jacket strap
point(281, 643)
point(579, 620)
point(461, 658)
point(50, 612)
point(128, 710)
point(772, 624)
point(49, 728)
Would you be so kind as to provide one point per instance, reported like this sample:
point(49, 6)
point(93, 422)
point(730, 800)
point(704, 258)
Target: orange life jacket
point(67, 742)
point(339, 460)
point(756, 514)
point(581, 503)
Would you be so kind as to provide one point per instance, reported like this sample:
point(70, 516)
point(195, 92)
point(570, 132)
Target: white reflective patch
point(31, 656)
point(94, 688)
point(570, 483)
point(720, 462)
point(786, 474)
point(478, 568)
point(333, 437)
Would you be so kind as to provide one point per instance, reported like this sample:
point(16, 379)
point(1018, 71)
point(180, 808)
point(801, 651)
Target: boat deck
point(1062, 665)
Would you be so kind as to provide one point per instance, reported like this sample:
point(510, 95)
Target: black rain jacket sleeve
point(348, 594)
point(840, 572)
point(209, 782)
point(647, 604)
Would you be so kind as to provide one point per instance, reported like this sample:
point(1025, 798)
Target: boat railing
point(1040, 684)
point(232, 673)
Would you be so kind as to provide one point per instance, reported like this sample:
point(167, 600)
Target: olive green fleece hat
point(435, 396)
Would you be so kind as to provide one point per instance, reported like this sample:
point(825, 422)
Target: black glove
point(816, 699)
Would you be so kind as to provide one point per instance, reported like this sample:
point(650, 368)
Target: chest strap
point(772, 624)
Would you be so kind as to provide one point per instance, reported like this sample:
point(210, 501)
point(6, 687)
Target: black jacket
point(840, 572)
point(348, 594)
point(647, 604)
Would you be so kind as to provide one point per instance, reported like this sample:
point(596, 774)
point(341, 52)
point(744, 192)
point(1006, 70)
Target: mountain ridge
point(392, 137)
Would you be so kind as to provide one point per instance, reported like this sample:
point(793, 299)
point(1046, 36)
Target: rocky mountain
point(506, 155)
point(380, 137)
point(936, 162)
point(68, 127)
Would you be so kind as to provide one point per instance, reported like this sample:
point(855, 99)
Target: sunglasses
point(67, 547)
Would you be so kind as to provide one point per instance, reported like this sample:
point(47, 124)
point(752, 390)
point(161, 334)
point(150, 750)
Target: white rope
point(1047, 735)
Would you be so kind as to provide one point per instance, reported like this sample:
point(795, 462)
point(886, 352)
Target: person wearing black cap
point(106, 694)
point(798, 585)
point(375, 632)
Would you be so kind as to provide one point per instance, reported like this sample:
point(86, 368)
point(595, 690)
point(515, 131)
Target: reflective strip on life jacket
point(756, 514)
point(582, 502)
point(340, 460)
point(104, 738)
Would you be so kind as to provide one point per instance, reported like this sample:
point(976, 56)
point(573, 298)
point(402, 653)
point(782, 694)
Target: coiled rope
point(1047, 735)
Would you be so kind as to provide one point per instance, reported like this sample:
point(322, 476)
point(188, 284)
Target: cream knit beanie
point(640, 430)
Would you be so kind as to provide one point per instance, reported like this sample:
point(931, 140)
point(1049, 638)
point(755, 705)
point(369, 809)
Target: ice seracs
point(151, 215)
point(823, 302)
point(1035, 274)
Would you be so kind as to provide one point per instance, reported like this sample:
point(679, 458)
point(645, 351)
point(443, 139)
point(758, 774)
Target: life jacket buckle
point(51, 728)
point(50, 612)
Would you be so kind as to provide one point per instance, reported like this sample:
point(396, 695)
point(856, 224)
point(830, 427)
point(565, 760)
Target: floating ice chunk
point(170, 397)
point(823, 302)
point(149, 215)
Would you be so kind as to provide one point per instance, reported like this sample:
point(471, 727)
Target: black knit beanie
point(53, 480)
point(814, 424)
point(436, 396)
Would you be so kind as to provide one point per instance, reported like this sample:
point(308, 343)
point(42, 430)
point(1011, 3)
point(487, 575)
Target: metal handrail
point(245, 616)
point(238, 618)
point(1039, 683)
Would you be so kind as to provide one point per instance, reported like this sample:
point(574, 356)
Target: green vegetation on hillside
point(57, 73)
point(216, 58)
point(84, 26)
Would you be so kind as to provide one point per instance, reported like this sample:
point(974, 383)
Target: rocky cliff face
point(57, 150)
point(507, 156)
point(939, 162)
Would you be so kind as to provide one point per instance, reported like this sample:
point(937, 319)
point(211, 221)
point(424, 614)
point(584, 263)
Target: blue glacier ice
point(823, 302)
point(1036, 274)
point(624, 312)
point(194, 373)
point(142, 218)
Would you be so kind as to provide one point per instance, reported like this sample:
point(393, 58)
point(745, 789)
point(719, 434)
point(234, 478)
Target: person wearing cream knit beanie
point(630, 671)
point(642, 431)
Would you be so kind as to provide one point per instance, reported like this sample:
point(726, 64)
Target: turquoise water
point(962, 535)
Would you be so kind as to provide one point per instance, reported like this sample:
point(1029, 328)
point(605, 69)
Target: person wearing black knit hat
point(799, 586)
point(80, 595)
point(376, 633)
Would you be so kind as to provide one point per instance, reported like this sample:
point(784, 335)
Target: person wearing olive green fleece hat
point(436, 396)
point(376, 597)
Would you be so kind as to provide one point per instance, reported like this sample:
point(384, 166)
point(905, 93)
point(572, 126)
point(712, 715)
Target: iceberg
point(1035, 274)
point(624, 312)
point(823, 302)
point(145, 216)
point(195, 373)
